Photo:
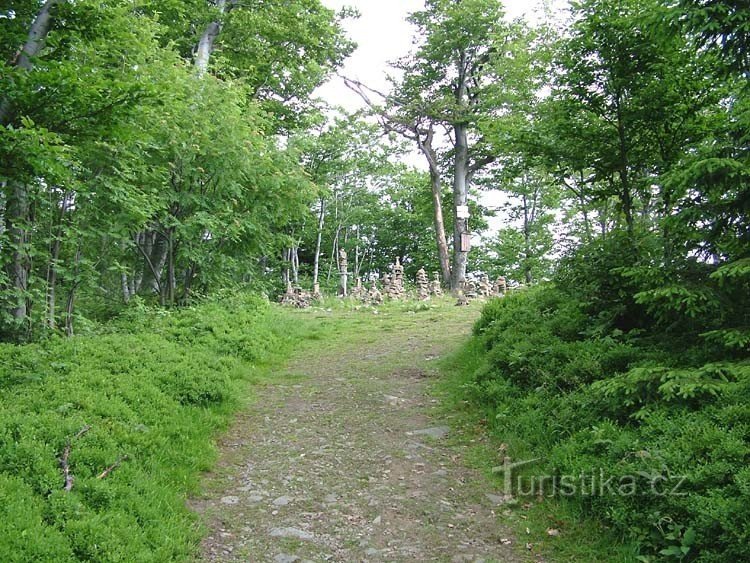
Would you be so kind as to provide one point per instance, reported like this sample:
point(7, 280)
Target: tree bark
point(436, 184)
point(318, 242)
point(17, 214)
point(206, 43)
point(17, 206)
point(34, 43)
point(460, 198)
point(72, 295)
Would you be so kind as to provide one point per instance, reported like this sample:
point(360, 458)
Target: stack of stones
point(358, 291)
point(395, 288)
point(386, 284)
point(461, 300)
point(296, 297)
point(373, 296)
point(501, 287)
point(485, 287)
point(470, 290)
point(316, 294)
point(436, 288)
point(423, 285)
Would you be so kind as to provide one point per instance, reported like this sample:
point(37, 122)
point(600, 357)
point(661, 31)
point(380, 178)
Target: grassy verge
point(153, 391)
point(580, 539)
point(653, 437)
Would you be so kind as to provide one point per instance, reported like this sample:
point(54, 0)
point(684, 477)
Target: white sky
point(383, 35)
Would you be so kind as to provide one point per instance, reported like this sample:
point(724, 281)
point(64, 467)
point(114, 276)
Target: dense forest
point(157, 156)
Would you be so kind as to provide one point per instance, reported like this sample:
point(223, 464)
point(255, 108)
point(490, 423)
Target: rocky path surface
point(347, 459)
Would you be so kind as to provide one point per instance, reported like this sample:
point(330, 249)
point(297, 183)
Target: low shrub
point(153, 389)
point(669, 423)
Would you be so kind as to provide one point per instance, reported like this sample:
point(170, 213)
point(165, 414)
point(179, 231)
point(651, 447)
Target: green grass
point(156, 387)
point(581, 539)
point(533, 383)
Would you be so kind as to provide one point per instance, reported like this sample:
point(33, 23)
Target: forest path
point(348, 457)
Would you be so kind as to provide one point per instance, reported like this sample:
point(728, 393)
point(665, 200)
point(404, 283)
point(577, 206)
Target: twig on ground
point(64, 463)
point(112, 467)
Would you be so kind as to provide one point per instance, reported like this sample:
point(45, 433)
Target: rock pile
point(359, 291)
point(485, 287)
point(436, 288)
point(393, 285)
point(423, 285)
point(296, 297)
point(500, 288)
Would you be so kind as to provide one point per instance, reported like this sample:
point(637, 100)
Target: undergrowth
point(641, 435)
point(153, 389)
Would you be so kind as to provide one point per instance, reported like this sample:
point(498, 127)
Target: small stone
point(282, 501)
point(498, 500)
point(284, 558)
point(230, 500)
point(295, 533)
point(436, 432)
point(377, 520)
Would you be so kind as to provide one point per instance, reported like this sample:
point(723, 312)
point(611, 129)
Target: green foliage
point(643, 408)
point(155, 387)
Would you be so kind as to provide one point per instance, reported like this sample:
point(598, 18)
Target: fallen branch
point(64, 464)
point(112, 467)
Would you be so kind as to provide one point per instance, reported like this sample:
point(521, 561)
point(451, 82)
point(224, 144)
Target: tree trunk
point(125, 288)
point(206, 43)
point(171, 275)
point(72, 296)
point(318, 242)
point(626, 196)
point(526, 240)
point(460, 198)
point(436, 184)
point(295, 264)
point(17, 207)
point(17, 269)
point(52, 283)
point(34, 43)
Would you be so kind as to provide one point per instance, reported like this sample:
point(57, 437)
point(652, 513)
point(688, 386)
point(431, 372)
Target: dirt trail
point(346, 459)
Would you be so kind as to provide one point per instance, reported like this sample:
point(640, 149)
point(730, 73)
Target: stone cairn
point(316, 293)
point(358, 291)
point(296, 297)
point(423, 285)
point(373, 295)
point(466, 293)
point(485, 287)
point(393, 285)
point(470, 289)
point(436, 288)
point(344, 272)
point(500, 287)
point(461, 299)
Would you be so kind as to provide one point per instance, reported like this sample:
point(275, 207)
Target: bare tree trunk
point(16, 217)
point(125, 288)
point(206, 43)
point(460, 198)
point(52, 283)
point(436, 184)
point(295, 264)
point(72, 295)
point(321, 220)
point(286, 276)
point(439, 222)
point(171, 276)
point(34, 43)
